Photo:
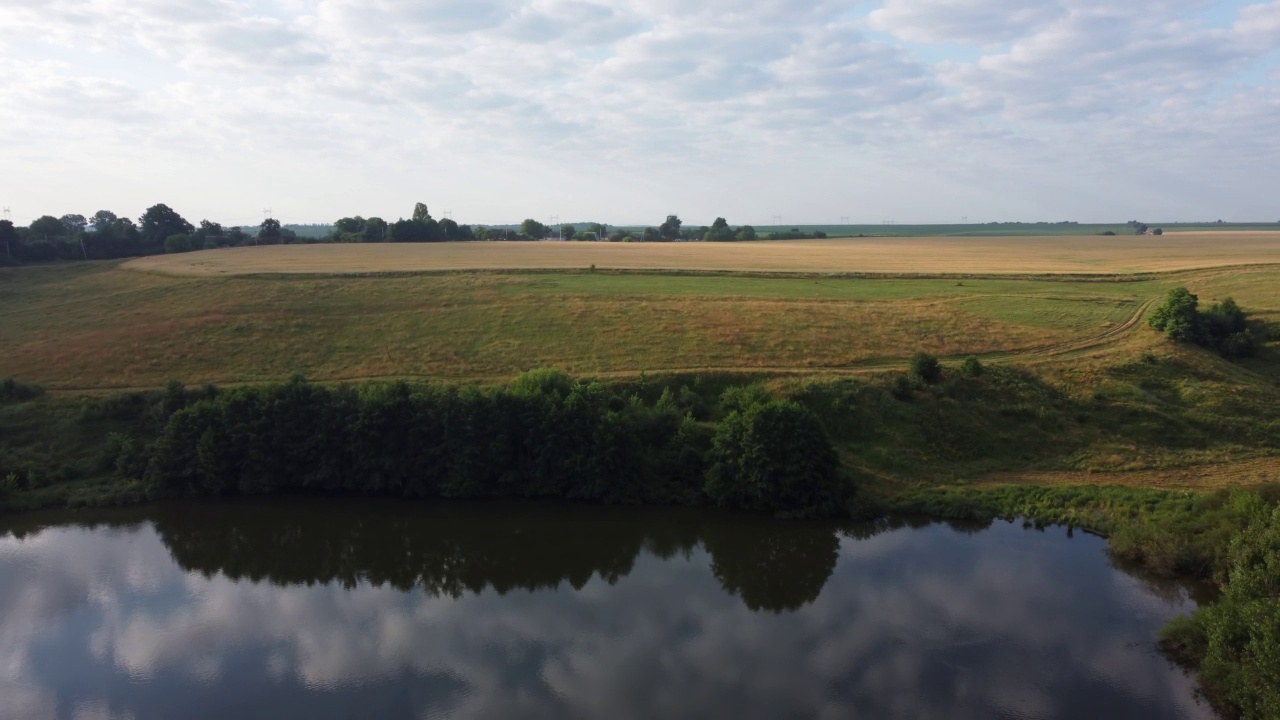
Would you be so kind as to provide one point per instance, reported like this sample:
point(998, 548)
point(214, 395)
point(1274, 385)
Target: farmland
point(104, 326)
point(908, 256)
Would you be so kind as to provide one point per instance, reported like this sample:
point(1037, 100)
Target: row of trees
point(106, 235)
point(161, 229)
point(543, 435)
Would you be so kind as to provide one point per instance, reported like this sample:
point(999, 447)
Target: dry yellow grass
point(1210, 476)
point(934, 255)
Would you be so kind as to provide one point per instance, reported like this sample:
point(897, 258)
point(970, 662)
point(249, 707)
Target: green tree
point(719, 231)
point(926, 368)
point(158, 223)
point(420, 214)
point(567, 232)
point(74, 223)
point(1179, 316)
point(349, 225)
point(534, 229)
point(269, 231)
point(746, 233)
point(670, 229)
point(375, 230)
point(103, 221)
point(776, 456)
point(47, 226)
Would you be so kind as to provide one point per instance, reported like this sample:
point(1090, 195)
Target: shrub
point(901, 387)
point(13, 391)
point(177, 243)
point(1157, 231)
point(1235, 642)
point(926, 368)
point(972, 366)
point(776, 457)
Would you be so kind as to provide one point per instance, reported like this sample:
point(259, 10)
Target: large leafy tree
point(670, 229)
point(269, 231)
point(719, 231)
point(47, 226)
point(103, 221)
point(534, 229)
point(776, 456)
point(161, 221)
point(74, 223)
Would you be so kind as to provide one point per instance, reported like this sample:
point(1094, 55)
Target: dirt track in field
point(1086, 255)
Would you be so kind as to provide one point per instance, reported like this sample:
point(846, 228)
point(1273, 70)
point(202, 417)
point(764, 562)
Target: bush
point(926, 368)
point(776, 457)
point(972, 366)
point(13, 391)
point(177, 243)
point(901, 387)
point(1235, 642)
point(1157, 231)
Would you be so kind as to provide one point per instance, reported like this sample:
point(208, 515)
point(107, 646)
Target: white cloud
point(603, 95)
point(962, 21)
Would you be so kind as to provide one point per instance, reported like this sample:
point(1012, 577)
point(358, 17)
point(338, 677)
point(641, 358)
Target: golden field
point(931, 255)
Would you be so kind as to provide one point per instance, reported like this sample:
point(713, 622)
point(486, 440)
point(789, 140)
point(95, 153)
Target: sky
point(623, 112)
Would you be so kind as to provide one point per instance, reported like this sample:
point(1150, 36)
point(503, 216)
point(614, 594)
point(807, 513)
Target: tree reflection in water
point(448, 549)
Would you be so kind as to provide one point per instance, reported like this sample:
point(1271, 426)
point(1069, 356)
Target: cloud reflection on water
point(909, 623)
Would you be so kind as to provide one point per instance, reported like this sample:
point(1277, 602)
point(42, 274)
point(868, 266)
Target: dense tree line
point(105, 235)
point(543, 435)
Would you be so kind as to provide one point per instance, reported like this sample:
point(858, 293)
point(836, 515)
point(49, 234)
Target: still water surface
point(337, 609)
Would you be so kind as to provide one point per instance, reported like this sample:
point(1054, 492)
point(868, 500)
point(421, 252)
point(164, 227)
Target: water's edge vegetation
point(811, 449)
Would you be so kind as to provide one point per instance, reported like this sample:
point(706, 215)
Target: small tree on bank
point(926, 368)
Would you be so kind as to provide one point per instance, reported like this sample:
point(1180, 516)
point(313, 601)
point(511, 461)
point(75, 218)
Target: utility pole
point(777, 220)
point(555, 222)
point(844, 219)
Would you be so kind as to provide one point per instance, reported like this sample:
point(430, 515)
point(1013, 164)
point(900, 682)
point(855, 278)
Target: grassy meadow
point(94, 327)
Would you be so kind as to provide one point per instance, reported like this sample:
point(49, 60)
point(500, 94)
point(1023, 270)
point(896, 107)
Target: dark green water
point(354, 608)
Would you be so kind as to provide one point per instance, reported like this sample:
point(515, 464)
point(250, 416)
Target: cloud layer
point(813, 109)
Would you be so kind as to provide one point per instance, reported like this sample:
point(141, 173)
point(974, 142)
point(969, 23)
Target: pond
point(309, 608)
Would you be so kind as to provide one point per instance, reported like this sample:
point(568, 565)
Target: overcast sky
point(912, 110)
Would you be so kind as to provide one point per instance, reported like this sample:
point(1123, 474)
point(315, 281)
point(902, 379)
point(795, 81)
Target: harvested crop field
point(929, 256)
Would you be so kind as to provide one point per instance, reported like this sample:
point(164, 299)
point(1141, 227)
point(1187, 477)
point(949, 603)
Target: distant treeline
point(161, 230)
point(543, 435)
